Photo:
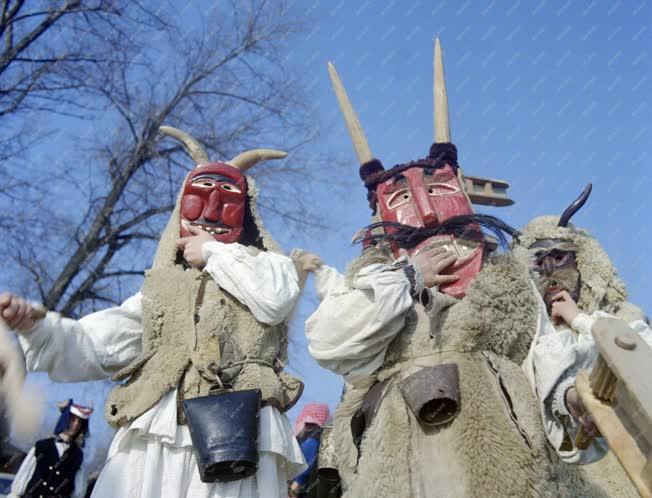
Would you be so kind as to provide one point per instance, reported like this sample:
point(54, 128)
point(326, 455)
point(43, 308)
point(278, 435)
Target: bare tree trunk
point(224, 81)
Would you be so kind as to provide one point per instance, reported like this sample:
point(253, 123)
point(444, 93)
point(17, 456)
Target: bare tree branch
point(224, 82)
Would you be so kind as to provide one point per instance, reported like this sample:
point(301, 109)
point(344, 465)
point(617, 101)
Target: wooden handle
point(582, 438)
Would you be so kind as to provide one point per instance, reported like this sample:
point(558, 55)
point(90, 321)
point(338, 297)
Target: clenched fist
point(191, 246)
point(16, 311)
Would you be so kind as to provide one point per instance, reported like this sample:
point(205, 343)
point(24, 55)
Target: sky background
point(545, 95)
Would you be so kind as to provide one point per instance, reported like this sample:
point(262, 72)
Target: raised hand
point(16, 312)
point(564, 308)
point(191, 246)
point(309, 262)
point(432, 262)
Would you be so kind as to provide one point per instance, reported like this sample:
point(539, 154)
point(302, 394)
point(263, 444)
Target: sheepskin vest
point(193, 331)
point(496, 445)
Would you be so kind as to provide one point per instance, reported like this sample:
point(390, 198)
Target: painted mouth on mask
point(212, 228)
point(463, 249)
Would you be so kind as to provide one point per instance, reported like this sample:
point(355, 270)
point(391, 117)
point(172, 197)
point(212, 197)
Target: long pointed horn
point(442, 124)
point(246, 160)
point(575, 206)
point(192, 146)
point(358, 138)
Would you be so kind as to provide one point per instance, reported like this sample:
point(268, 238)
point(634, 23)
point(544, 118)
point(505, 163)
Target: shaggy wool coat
point(571, 348)
point(496, 445)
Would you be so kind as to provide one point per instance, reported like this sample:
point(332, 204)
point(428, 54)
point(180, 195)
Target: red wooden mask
point(214, 199)
point(422, 197)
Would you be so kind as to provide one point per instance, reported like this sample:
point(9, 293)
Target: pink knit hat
point(312, 413)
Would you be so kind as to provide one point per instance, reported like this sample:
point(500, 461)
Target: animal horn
point(250, 158)
point(575, 206)
point(356, 132)
point(442, 124)
point(192, 146)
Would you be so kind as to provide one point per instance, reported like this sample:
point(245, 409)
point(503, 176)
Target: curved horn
point(246, 160)
point(192, 146)
point(356, 132)
point(575, 206)
point(442, 124)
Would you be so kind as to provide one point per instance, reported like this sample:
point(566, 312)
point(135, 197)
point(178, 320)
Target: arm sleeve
point(24, 475)
point(557, 358)
point(267, 283)
point(92, 348)
point(352, 327)
point(327, 278)
point(310, 449)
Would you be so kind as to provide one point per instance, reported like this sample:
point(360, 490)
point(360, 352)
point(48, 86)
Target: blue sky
point(546, 95)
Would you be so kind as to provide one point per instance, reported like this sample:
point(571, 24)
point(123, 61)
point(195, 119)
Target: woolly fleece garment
point(559, 352)
point(101, 344)
point(496, 445)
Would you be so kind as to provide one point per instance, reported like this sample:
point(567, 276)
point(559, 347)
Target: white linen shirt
point(351, 329)
point(100, 344)
point(555, 357)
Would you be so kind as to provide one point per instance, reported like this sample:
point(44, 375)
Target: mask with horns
point(214, 194)
point(555, 259)
point(424, 195)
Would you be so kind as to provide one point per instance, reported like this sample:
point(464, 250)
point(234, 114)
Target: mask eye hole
point(560, 259)
point(204, 183)
point(435, 189)
point(399, 198)
point(231, 188)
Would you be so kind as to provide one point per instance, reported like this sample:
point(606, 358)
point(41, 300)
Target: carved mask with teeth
point(214, 198)
point(425, 197)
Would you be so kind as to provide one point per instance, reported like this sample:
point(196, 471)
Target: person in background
point(578, 284)
point(54, 466)
point(308, 429)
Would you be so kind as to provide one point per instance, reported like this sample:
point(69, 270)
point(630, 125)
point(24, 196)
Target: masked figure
point(429, 327)
point(203, 341)
point(54, 467)
point(578, 284)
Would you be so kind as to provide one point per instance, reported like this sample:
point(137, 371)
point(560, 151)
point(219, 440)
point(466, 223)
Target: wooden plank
point(623, 444)
point(631, 363)
point(487, 191)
